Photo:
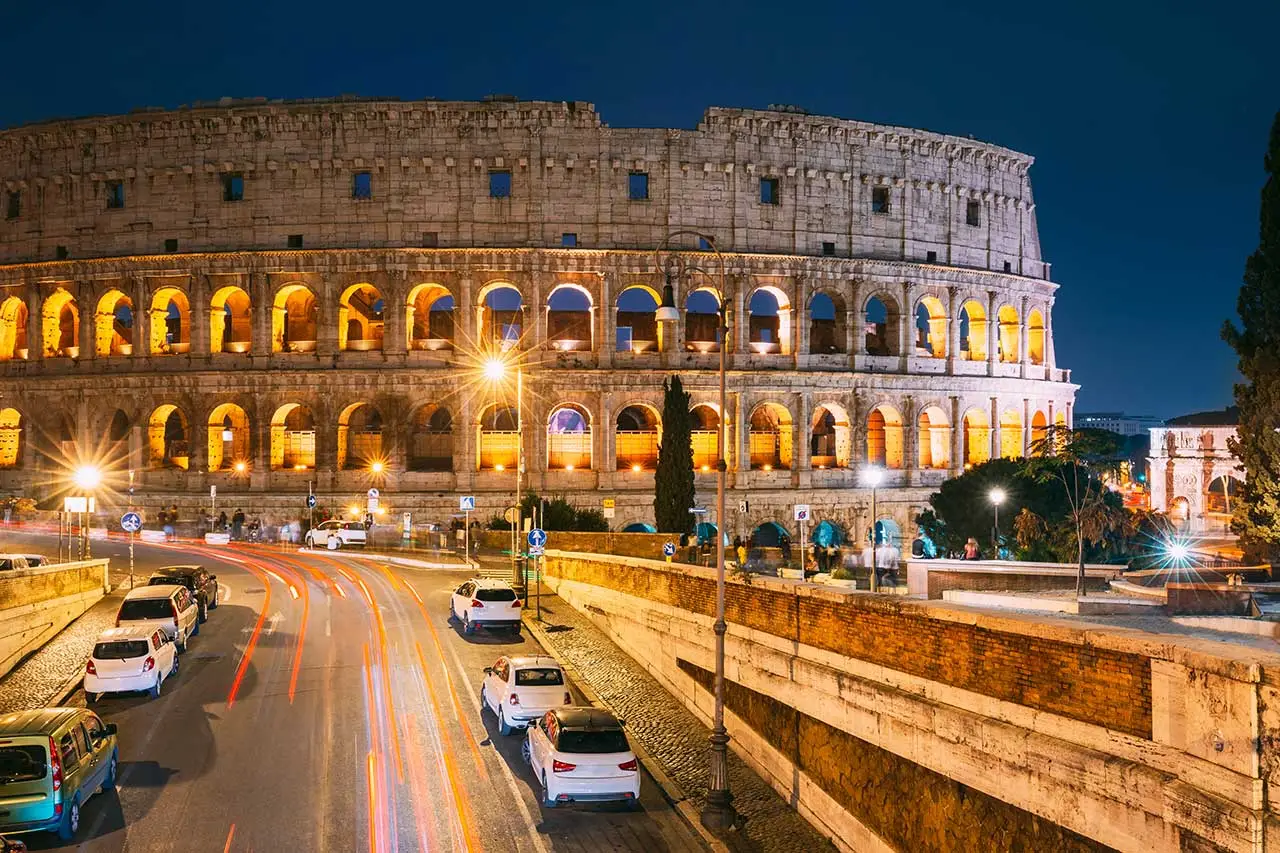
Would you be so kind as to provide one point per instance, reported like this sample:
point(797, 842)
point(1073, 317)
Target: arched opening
point(60, 325)
point(880, 327)
point(637, 432)
point(1035, 337)
point(569, 319)
point(770, 438)
point(230, 320)
point(228, 439)
point(293, 438)
point(113, 325)
point(1221, 498)
point(63, 434)
point(118, 429)
point(10, 438)
point(702, 321)
point(977, 437)
point(501, 316)
point(934, 435)
point(639, 527)
point(360, 318)
point(569, 439)
point(706, 423)
point(168, 438)
point(973, 331)
point(170, 322)
point(429, 318)
point(884, 438)
point(1009, 339)
point(1060, 419)
point(769, 321)
point(499, 438)
point(13, 329)
point(295, 315)
point(770, 534)
point(1180, 511)
point(931, 328)
point(1039, 432)
point(431, 439)
point(887, 532)
point(831, 439)
point(359, 437)
point(1010, 434)
point(826, 325)
point(638, 327)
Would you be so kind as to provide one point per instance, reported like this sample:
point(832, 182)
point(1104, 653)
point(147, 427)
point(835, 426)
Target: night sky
point(1148, 120)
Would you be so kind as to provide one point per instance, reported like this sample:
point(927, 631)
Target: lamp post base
point(719, 814)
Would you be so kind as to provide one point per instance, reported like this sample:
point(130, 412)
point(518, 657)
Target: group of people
point(236, 526)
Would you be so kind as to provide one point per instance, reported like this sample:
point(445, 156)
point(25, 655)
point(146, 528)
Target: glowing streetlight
point(996, 496)
point(1178, 552)
point(240, 467)
point(871, 477)
point(636, 468)
point(87, 477)
point(494, 369)
point(375, 468)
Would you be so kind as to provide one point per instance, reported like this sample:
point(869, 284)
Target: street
point(328, 704)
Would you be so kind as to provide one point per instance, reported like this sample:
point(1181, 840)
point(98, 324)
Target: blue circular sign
point(537, 537)
point(311, 501)
point(669, 549)
point(131, 522)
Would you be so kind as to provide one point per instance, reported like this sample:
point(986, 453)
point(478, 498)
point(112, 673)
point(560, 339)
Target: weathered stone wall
point(35, 604)
point(647, 545)
point(32, 586)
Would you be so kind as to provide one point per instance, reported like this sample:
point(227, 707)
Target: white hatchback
point(519, 690)
point(171, 609)
point(131, 658)
point(486, 603)
point(339, 533)
point(581, 754)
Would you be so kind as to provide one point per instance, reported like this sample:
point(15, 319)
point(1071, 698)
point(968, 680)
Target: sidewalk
point(43, 677)
point(674, 738)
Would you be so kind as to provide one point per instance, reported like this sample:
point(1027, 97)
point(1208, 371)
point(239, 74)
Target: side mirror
point(110, 728)
point(488, 670)
point(213, 577)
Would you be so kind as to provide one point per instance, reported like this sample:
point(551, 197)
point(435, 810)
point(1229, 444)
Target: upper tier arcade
point(247, 175)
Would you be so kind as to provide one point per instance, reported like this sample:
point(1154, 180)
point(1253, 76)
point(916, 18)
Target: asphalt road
point(328, 705)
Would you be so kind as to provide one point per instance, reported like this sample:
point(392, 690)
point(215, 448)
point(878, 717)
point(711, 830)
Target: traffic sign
point(802, 512)
point(535, 550)
point(537, 538)
point(698, 510)
point(130, 522)
point(744, 506)
point(311, 501)
point(669, 549)
point(373, 505)
point(608, 503)
point(213, 491)
point(373, 494)
point(467, 503)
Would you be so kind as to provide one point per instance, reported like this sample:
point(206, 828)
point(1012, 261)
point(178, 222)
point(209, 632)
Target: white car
point(171, 609)
point(342, 532)
point(134, 657)
point(519, 690)
point(581, 754)
point(486, 603)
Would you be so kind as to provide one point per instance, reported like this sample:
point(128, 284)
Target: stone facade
point(1194, 477)
point(322, 282)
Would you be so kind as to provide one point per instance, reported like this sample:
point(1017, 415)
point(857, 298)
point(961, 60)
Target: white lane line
point(273, 622)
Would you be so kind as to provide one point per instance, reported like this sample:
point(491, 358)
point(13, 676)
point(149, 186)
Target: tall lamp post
point(996, 496)
point(871, 477)
point(718, 813)
point(87, 478)
point(495, 370)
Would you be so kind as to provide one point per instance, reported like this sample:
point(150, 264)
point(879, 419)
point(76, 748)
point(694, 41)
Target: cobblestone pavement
point(675, 738)
point(35, 682)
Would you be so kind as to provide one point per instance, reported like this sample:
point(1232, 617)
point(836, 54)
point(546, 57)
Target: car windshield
point(496, 594)
point(21, 763)
point(592, 741)
point(120, 650)
point(542, 677)
point(145, 608)
point(167, 580)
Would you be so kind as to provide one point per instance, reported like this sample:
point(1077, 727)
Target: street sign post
point(407, 531)
point(467, 503)
point(802, 516)
point(213, 501)
point(131, 523)
point(537, 538)
point(668, 550)
point(311, 507)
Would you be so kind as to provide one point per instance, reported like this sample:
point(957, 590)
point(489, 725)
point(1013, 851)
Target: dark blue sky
point(1147, 119)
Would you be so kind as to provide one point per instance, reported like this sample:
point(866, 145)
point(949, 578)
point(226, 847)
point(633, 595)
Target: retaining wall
point(35, 604)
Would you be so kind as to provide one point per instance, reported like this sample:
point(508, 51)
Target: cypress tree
point(673, 483)
point(1256, 340)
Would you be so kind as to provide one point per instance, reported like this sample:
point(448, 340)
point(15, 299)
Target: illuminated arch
point(360, 318)
point(60, 324)
point(1009, 337)
point(881, 318)
point(1035, 337)
point(1220, 497)
point(831, 437)
point(230, 320)
point(293, 438)
point(934, 437)
point(431, 439)
point(498, 437)
point(931, 328)
point(706, 424)
point(771, 437)
point(569, 438)
point(570, 318)
point(827, 324)
point(973, 331)
point(977, 437)
point(702, 320)
point(884, 438)
point(500, 315)
point(769, 321)
point(637, 432)
point(13, 329)
point(168, 438)
point(1039, 432)
point(1010, 434)
point(429, 313)
point(10, 438)
point(113, 325)
point(295, 315)
point(638, 329)
point(170, 322)
point(360, 437)
point(228, 437)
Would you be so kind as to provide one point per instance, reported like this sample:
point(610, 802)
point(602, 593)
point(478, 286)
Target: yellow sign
point(608, 503)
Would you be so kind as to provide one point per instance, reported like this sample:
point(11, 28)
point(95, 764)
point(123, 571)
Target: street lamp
point(718, 813)
point(871, 477)
point(996, 496)
point(376, 468)
point(86, 478)
point(495, 370)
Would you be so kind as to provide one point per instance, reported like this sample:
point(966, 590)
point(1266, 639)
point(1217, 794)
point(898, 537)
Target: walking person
point(237, 523)
point(971, 551)
point(221, 524)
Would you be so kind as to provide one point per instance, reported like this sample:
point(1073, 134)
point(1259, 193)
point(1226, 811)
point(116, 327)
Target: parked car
point(345, 532)
point(519, 690)
point(11, 562)
point(486, 603)
point(171, 609)
point(133, 657)
point(202, 585)
point(581, 754)
point(51, 761)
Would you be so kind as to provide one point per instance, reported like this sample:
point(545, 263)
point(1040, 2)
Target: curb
point(67, 689)
point(671, 790)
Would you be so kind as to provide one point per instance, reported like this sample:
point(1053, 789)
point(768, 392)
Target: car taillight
point(629, 765)
point(55, 762)
point(475, 602)
point(515, 699)
point(90, 668)
point(568, 699)
point(148, 664)
point(561, 767)
point(516, 603)
point(174, 608)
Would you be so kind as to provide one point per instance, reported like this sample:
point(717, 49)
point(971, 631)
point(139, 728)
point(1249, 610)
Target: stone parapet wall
point(32, 586)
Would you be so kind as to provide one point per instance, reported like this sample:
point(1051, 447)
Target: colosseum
point(269, 296)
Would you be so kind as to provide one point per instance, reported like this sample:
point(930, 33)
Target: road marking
point(253, 641)
point(231, 833)
point(273, 623)
point(224, 593)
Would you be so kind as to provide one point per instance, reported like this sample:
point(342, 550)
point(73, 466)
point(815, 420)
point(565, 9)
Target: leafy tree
point(1077, 460)
point(1256, 514)
point(962, 507)
point(673, 483)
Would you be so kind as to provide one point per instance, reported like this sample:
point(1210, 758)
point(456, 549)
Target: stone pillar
point(1024, 334)
point(604, 321)
point(854, 340)
point(739, 319)
point(136, 287)
point(1050, 358)
point(953, 331)
point(200, 315)
point(395, 309)
point(910, 441)
point(800, 321)
point(995, 428)
point(85, 302)
point(257, 286)
point(535, 311)
point(464, 313)
point(1070, 415)
point(906, 326)
point(35, 342)
point(737, 443)
point(993, 333)
point(604, 450)
point(327, 294)
point(957, 436)
point(801, 445)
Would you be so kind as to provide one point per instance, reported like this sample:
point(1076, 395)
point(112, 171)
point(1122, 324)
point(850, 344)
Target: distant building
point(1117, 422)
point(1193, 476)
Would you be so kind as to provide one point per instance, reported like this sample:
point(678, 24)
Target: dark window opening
point(144, 609)
point(13, 208)
point(233, 187)
point(362, 185)
point(430, 239)
point(769, 191)
point(568, 240)
point(500, 184)
point(879, 199)
point(171, 245)
point(973, 213)
point(295, 241)
point(704, 245)
point(638, 186)
point(60, 253)
point(829, 249)
point(931, 257)
point(1008, 267)
point(115, 195)
point(22, 763)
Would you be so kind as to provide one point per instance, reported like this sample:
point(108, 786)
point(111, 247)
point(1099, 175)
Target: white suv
point(342, 533)
point(171, 609)
point(581, 754)
point(134, 657)
point(519, 690)
point(486, 603)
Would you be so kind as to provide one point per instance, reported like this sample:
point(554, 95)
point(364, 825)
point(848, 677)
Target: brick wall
point(1098, 686)
point(977, 581)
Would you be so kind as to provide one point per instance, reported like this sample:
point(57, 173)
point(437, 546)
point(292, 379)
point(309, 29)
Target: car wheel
point(467, 626)
point(204, 614)
point(181, 642)
point(109, 781)
point(525, 753)
point(213, 605)
point(308, 542)
point(174, 669)
point(154, 692)
point(516, 629)
point(70, 821)
point(503, 728)
point(484, 700)
point(91, 698)
point(548, 801)
point(195, 626)
point(450, 618)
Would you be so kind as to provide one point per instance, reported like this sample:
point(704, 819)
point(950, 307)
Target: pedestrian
point(785, 545)
point(171, 522)
point(221, 523)
point(237, 523)
point(742, 554)
point(971, 551)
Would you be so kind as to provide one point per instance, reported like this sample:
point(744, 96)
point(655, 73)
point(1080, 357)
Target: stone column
point(464, 313)
point(953, 331)
point(327, 294)
point(1026, 426)
point(993, 333)
point(200, 311)
point(854, 339)
point(910, 442)
point(261, 308)
point(604, 451)
point(85, 302)
point(35, 342)
point(957, 436)
point(739, 319)
point(535, 311)
point(800, 322)
point(1024, 333)
point(136, 287)
point(737, 444)
point(1050, 358)
point(801, 446)
point(995, 428)
point(604, 323)
point(394, 312)
point(906, 325)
